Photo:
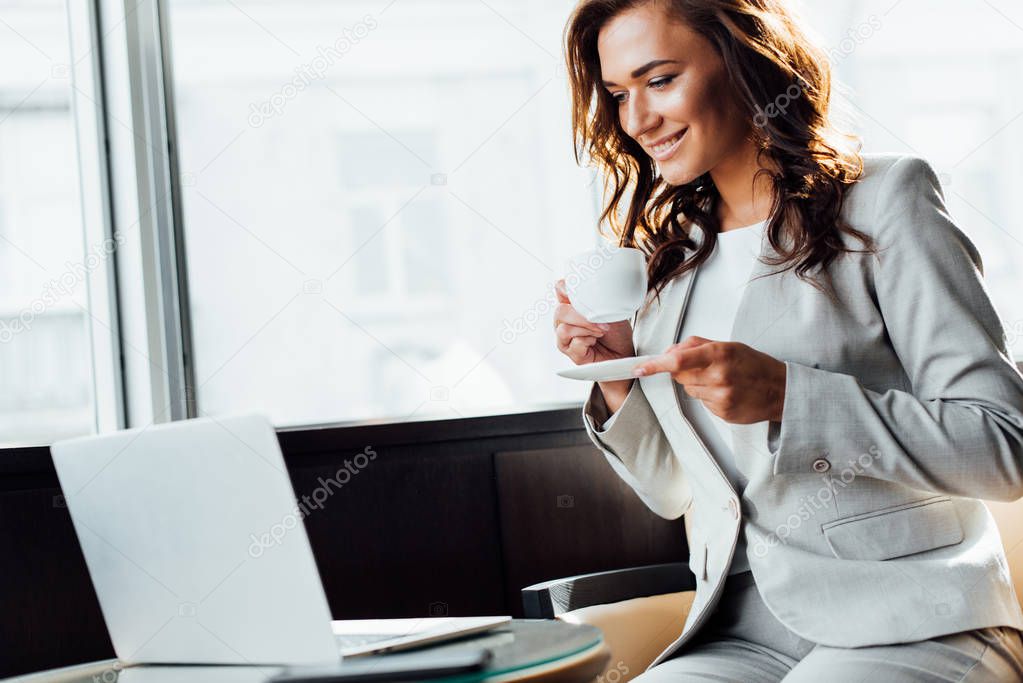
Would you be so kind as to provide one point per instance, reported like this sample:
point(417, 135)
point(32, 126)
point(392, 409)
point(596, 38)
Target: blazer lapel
point(654, 332)
point(659, 327)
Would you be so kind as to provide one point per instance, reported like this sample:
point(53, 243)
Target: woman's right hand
point(585, 342)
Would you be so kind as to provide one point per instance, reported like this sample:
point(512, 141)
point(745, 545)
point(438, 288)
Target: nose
point(639, 118)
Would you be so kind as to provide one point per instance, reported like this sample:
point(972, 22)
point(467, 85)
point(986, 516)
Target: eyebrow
point(645, 68)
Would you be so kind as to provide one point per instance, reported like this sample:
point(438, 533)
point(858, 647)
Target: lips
point(666, 147)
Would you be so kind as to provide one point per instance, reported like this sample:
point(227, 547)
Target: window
point(940, 79)
point(45, 352)
point(377, 199)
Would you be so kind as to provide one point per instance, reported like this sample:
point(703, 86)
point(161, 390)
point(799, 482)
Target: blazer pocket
point(896, 531)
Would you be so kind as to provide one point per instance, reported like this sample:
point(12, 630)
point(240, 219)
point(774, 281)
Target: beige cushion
point(1009, 517)
point(636, 630)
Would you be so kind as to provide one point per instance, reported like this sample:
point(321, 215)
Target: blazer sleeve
point(638, 451)
point(960, 430)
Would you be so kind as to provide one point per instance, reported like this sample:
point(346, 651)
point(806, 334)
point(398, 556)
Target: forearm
point(639, 452)
point(963, 447)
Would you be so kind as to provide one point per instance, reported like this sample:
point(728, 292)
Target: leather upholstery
point(637, 630)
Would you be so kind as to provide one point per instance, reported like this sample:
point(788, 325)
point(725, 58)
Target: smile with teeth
point(665, 148)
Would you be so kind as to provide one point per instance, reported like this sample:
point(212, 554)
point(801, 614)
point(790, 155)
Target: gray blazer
point(902, 408)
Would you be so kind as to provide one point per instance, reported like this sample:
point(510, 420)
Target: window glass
point(378, 198)
point(941, 79)
point(45, 357)
point(379, 195)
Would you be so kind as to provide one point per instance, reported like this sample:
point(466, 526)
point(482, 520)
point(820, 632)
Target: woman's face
point(681, 110)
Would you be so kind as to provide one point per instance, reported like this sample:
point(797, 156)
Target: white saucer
point(605, 371)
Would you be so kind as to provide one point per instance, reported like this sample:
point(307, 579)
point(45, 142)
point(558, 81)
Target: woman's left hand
point(735, 382)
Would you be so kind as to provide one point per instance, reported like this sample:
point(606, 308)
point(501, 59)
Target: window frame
point(132, 54)
point(88, 115)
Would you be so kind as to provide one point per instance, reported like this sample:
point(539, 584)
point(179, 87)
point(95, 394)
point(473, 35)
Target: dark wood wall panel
point(563, 511)
point(407, 533)
point(50, 613)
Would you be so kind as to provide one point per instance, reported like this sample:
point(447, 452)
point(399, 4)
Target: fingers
point(666, 362)
point(579, 348)
point(559, 289)
point(565, 333)
point(575, 334)
point(575, 342)
point(693, 341)
point(565, 313)
point(689, 356)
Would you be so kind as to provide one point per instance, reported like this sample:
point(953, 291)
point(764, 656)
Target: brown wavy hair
point(767, 55)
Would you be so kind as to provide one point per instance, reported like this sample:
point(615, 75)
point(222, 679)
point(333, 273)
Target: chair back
point(1009, 517)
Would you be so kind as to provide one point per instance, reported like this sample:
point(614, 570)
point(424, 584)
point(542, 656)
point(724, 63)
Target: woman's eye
point(656, 84)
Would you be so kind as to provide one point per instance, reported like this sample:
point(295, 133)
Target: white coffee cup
point(607, 284)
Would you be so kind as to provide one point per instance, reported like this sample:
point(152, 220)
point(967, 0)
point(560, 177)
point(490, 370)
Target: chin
point(678, 176)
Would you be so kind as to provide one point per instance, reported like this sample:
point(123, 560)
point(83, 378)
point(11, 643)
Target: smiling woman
point(892, 402)
point(700, 73)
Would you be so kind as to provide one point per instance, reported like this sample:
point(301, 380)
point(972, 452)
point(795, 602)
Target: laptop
point(195, 544)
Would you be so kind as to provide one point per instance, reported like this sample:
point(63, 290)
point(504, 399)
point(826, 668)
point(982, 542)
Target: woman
point(837, 395)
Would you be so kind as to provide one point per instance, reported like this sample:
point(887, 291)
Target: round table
point(531, 650)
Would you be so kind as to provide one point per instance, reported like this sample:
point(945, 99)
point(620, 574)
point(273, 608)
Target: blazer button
point(821, 465)
point(733, 505)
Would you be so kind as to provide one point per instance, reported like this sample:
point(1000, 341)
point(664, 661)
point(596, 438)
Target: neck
point(745, 198)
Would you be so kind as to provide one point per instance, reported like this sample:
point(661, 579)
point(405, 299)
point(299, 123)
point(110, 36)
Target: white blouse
point(713, 303)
